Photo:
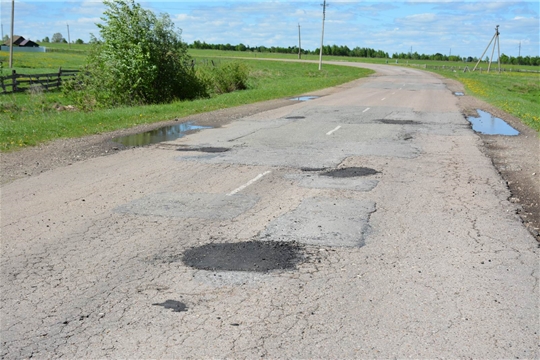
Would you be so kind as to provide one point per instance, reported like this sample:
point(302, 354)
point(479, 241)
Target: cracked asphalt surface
point(423, 258)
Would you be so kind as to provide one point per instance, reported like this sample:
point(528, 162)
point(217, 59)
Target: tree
point(79, 41)
point(5, 39)
point(57, 38)
point(46, 39)
point(140, 59)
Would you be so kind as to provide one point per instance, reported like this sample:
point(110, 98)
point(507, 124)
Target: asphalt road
point(411, 249)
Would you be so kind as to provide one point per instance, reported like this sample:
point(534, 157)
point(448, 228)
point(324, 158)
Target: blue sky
point(428, 26)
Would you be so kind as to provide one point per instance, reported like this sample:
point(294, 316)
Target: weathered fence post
point(59, 76)
point(14, 81)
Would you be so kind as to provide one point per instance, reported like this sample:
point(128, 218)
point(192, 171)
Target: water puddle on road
point(459, 94)
point(304, 98)
point(167, 133)
point(488, 124)
point(257, 256)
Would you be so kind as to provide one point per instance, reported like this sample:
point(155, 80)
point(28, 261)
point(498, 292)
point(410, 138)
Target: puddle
point(176, 306)
point(167, 133)
point(350, 172)
point(255, 256)
point(459, 94)
point(398, 122)
point(205, 149)
point(491, 125)
point(295, 117)
point(304, 98)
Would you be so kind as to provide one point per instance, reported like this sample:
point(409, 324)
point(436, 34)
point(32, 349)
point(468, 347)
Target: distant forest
point(363, 53)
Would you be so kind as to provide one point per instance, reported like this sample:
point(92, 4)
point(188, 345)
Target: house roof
point(20, 41)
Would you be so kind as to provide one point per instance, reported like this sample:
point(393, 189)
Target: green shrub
point(139, 59)
point(224, 78)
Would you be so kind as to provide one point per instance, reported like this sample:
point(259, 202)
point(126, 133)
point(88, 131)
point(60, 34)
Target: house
point(21, 42)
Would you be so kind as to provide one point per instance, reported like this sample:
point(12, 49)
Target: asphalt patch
point(254, 256)
point(398, 122)
point(176, 306)
point(205, 149)
point(350, 172)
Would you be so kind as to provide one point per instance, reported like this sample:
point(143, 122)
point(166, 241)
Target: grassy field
point(30, 119)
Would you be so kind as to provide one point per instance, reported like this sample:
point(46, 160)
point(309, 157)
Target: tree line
point(505, 59)
point(327, 49)
point(363, 52)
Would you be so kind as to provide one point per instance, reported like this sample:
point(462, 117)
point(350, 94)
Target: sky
point(448, 27)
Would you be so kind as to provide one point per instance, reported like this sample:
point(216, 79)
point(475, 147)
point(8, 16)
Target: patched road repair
point(365, 223)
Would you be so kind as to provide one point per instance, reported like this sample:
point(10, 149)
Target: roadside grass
point(32, 119)
point(516, 93)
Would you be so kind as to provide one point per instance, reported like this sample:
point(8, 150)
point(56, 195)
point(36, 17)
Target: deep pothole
point(398, 122)
point(257, 256)
point(350, 172)
point(208, 149)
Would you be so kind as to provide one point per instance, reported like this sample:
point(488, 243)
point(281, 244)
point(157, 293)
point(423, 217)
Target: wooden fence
point(22, 82)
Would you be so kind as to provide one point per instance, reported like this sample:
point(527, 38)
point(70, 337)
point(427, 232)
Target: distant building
point(21, 42)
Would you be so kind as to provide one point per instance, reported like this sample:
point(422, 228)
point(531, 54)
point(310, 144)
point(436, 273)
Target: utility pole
point(69, 40)
point(322, 35)
point(519, 53)
point(2, 32)
point(299, 43)
point(11, 38)
point(496, 38)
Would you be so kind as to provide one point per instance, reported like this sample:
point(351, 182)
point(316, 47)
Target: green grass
point(36, 63)
point(28, 120)
point(515, 93)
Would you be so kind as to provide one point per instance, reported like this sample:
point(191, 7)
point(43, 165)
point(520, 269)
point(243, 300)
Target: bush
point(225, 78)
point(139, 59)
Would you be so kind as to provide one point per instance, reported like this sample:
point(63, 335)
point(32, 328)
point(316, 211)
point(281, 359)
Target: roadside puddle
point(459, 94)
point(167, 133)
point(488, 124)
point(304, 98)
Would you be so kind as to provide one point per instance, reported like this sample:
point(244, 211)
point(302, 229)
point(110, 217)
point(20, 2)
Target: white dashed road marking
point(237, 190)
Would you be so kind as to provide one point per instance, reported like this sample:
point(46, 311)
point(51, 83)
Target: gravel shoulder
point(514, 157)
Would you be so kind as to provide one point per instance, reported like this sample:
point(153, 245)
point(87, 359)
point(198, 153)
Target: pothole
point(176, 306)
point(350, 172)
point(205, 149)
point(398, 122)
point(304, 98)
point(308, 169)
point(488, 124)
point(254, 256)
point(295, 117)
point(167, 133)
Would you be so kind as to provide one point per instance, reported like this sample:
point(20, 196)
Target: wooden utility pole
point(299, 44)
point(69, 39)
point(11, 38)
point(496, 38)
point(322, 35)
